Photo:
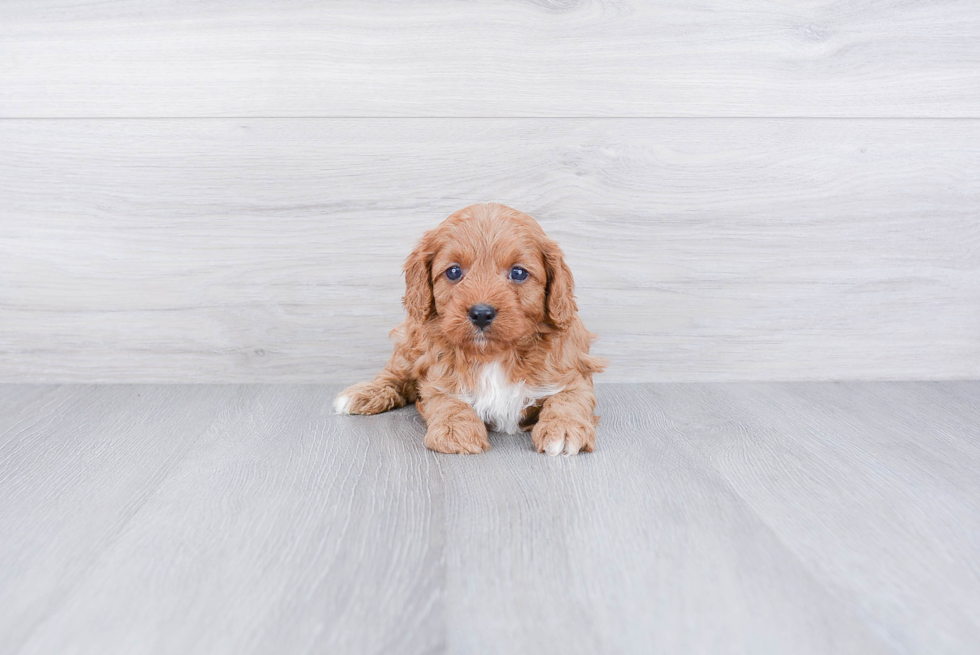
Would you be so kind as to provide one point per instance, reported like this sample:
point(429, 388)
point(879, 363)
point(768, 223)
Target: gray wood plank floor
point(712, 518)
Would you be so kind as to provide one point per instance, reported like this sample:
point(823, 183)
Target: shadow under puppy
point(492, 337)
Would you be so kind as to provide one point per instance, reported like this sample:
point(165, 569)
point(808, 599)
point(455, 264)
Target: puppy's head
point(488, 278)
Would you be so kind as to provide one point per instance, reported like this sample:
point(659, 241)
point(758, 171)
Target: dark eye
point(454, 272)
point(518, 274)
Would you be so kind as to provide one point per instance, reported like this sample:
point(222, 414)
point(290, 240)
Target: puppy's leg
point(384, 392)
point(566, 423)
point(393, 387)
point(453, 426)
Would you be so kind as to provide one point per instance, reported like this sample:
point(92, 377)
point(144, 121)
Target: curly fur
point(530, 367)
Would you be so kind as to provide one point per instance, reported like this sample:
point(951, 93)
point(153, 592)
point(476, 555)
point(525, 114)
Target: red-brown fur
point(537, 336)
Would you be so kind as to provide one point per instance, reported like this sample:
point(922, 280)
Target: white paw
point(341, 405)
point(563, 437)
point(562, 447)
point(555, 447)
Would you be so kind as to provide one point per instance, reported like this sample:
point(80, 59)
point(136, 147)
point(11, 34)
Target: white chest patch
point(500, 402)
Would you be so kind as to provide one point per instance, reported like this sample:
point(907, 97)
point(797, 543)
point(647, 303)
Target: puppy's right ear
point(560, 291)
point(418, 299)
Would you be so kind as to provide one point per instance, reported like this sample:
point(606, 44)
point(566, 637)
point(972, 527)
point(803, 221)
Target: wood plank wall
point(224, 191)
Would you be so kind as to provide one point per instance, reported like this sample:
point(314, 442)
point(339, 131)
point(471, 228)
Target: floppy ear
point(559, 294)
point(418, 299)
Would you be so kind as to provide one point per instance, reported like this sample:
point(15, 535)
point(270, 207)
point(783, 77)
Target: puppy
point(492, 337)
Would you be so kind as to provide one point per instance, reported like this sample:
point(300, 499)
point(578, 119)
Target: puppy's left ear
point(418, 300)
point(560, 291)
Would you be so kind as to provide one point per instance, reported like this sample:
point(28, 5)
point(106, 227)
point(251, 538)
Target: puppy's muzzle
point(482, 315)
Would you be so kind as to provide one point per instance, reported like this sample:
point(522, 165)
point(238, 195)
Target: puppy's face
point(488, 278)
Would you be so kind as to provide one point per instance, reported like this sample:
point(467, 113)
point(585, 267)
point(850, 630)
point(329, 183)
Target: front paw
point(367, 398)
point(563, 435)
point(459, 437)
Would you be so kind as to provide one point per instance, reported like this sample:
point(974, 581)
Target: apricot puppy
point(492, 337)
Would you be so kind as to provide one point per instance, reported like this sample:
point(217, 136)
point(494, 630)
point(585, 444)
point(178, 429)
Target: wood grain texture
point(269, 535)
point(66, 449)
point(872, 487)
point(270, 250)
point(640, 549)
point(529, 58)
point(719, 518)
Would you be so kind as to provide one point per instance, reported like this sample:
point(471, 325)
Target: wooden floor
point(712, 518)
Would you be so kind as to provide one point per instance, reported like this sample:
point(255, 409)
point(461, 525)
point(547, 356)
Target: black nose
point(481, 315)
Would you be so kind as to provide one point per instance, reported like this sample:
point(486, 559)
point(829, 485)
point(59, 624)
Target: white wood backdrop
point(703, 249)
point(811, 211)
point(516, 58)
